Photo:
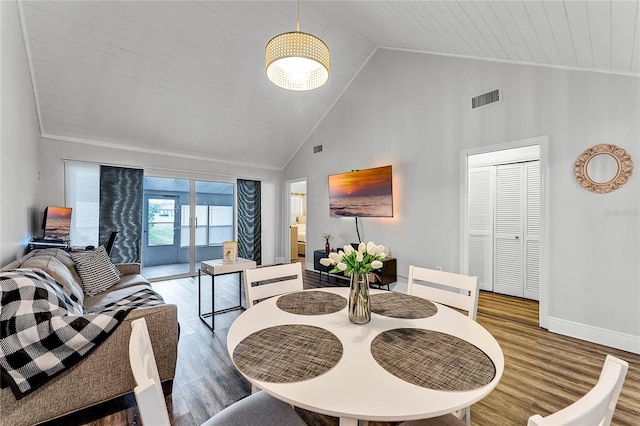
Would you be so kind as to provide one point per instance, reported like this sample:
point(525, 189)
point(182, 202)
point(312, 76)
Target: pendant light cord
point(298, 18)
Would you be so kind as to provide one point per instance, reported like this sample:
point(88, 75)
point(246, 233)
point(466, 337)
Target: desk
point(45, 243)
point(358, 362)
point(219, 267)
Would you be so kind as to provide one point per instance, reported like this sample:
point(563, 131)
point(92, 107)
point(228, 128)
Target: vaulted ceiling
point(187, 77)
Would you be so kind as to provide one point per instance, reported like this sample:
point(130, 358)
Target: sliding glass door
point(163, 240)
point(213, 219)
point(186, 221)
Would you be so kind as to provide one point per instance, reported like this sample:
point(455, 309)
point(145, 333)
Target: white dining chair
point(454, 290)
point(256, 409)
point(148, 391)
point(596, 407)
point(267, 281)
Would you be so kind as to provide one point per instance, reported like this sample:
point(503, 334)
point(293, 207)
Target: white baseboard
point(614, 339)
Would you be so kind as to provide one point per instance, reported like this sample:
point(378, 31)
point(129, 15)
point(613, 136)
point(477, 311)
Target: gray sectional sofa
point(104, 373)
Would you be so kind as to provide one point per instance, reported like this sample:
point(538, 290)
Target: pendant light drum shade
point(297, 61)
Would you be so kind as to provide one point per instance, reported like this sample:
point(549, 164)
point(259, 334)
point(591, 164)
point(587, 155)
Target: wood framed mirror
point(603, 168)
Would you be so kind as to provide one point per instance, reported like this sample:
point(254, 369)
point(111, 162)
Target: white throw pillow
point(97, 271)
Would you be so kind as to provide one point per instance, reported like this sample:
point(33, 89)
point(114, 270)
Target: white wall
point(55, 151)
point(413, 111)
point(19, 141)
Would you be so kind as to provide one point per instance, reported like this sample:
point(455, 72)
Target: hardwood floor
point(543, 371)
point(511, 308)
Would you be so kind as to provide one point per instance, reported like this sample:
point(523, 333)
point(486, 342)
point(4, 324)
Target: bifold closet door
point(480, 229)
point(532, 230)
point(509, 253)
point(517, 230)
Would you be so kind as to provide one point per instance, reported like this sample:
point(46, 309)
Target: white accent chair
point(454, 290)
point(596, 407)
point(273, 280)
point(257, 409)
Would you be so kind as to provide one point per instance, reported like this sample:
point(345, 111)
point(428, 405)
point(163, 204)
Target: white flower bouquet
point(365, 259)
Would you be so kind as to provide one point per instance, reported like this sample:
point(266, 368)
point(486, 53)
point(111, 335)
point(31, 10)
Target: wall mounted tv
point(56, 222)
point(361, 193)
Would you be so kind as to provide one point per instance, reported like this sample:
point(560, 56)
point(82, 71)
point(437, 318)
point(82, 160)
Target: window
point(298, 205)
point(214, 224)
point(220, 224)
point(160, 222)
point(82, 194)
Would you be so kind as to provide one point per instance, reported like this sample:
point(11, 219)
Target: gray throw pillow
point(97, 271)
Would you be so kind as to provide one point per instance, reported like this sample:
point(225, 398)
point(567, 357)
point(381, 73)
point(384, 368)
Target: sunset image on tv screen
point(362, 193)
point(58, 221)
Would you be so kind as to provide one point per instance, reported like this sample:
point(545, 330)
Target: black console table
point(385, 275)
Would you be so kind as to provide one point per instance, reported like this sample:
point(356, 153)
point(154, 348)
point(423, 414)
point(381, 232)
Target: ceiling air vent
point(486, 99)
point(317, 149)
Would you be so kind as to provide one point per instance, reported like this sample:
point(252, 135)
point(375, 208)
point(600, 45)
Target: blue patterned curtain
point(121, 211)
point(249, 222)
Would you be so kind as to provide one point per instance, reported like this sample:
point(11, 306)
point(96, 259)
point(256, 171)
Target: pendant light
point(296, 60)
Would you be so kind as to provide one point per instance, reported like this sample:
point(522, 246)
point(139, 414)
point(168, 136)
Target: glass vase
point(359, 303)
point(327, 247)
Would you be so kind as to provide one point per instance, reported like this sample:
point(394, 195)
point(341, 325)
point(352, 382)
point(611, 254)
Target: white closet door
point(509, 251)
point(532, 231)
point(480, 202)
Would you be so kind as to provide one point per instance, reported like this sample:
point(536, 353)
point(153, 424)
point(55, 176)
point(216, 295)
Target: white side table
point(219, 267)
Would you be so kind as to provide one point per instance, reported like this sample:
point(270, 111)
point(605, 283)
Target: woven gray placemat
point(432, 359)
point(399, 305)
point(287, 353)
point(311, 303)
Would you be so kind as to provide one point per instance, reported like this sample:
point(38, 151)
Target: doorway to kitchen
point(297, 220)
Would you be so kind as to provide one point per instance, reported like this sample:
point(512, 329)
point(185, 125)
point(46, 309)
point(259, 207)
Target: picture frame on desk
point(230, 251)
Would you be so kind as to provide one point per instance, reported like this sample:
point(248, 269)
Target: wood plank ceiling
point(187, 77)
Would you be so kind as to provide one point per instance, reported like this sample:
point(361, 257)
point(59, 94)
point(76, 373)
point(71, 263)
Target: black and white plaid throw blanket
point(42, 331)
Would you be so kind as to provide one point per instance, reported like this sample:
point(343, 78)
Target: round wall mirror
point(603, 168)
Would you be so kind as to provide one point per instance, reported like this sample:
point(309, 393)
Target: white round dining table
point(357, 387)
